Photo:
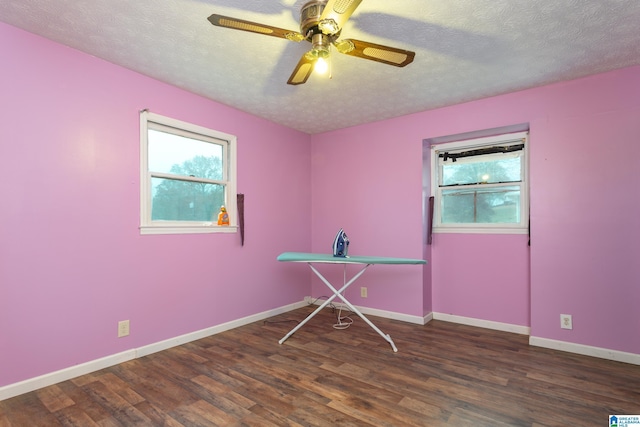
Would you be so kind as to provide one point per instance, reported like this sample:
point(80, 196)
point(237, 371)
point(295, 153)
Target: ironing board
point(364, 261)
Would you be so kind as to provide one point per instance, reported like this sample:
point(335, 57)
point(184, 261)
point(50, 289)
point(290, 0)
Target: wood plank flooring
point(444, 374)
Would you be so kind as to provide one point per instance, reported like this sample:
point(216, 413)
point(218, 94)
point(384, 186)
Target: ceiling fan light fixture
point(320, 52)
point(320, 57)
point(321, 66)
point(316, 53)
point(320, 43)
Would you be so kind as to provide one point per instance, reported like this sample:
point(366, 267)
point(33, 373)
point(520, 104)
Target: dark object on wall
point(480, 152)
point(430, 223)
point(240, 199)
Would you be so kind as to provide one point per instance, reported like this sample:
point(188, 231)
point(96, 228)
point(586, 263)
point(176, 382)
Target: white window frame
point(150, 120)
point(501, 228)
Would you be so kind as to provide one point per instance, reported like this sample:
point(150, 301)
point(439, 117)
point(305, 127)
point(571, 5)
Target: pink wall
point(586, 232)
point(490, 281)
point(584, 172)
point(362, 181)
point(72, 261)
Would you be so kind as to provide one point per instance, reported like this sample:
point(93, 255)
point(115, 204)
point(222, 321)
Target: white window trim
point(179, 227)
point(522, 227)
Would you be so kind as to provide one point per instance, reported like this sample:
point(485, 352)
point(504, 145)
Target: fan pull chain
point(330, 64)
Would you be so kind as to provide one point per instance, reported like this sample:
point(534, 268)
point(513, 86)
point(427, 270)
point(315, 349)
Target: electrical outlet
point(363, 292)
point(566, 322)
point(123, 328)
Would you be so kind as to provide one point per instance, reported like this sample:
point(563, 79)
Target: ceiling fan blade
point(303, 70)
point(253, 27)
point(338, 11)
point(375, 52)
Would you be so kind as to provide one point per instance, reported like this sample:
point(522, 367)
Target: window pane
point(481, 205)
point(175, 200)
point(184, 156)
point(466, 171)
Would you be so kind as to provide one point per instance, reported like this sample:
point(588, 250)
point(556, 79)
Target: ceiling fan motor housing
point(312, 30)
point(310, 21)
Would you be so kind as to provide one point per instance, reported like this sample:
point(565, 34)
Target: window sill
point(187, 229)
point(480, 230)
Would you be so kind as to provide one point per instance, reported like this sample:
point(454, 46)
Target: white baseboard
point(392, 315)
point(31, 384)
point(586, 350)
point(374, 311)
point(427, 318)
point(45, 380)
point(602, 353)
point(487, 324)
point(71, 372)
point(193, 336)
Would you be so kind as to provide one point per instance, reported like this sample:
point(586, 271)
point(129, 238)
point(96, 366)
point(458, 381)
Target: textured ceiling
point(465, 50)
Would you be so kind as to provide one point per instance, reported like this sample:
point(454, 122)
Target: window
point(187, 173)
point(480, 185)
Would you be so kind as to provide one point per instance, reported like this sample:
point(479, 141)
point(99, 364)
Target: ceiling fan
point(321, 22)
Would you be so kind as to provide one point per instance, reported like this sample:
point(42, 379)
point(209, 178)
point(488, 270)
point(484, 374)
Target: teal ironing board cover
point(351, 259)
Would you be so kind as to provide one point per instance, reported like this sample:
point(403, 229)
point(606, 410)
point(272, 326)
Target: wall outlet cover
point(123, 328)
point(566, 322)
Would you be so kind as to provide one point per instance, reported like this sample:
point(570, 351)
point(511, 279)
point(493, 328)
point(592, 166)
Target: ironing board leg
point(299, 325)
point(324, 304)
point(386, 337)
point(339, 293)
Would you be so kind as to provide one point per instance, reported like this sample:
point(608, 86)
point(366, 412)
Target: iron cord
point(343, 321)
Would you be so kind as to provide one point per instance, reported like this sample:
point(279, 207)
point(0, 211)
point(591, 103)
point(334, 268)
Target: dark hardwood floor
point(444, 374)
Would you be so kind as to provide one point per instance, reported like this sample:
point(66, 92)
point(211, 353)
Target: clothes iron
point(341, 244)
